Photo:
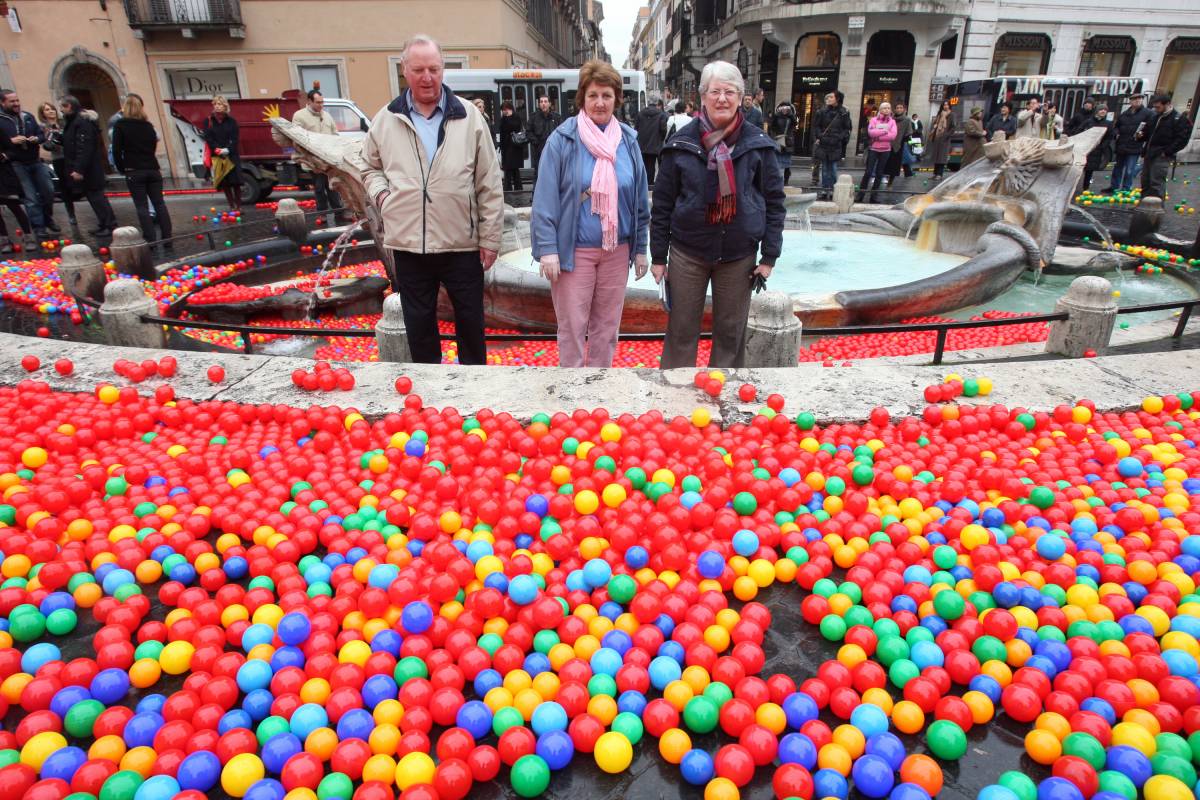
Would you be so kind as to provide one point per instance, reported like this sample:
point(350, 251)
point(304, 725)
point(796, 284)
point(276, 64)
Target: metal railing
point(183, 13)
point(1184, 316)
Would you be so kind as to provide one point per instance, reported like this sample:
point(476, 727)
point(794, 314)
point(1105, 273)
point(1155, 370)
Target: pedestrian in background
point(85, 155)
point(221, 134)
point(1129, 124)
point(590, 220)
point(12, 198)
point(24, 139)
point(900, 159)
point(782, 129)
point(51, 122)
point(651, 131)
point(541, 125)
point(831, 132)
point(681, 116)
point(134, 143)
point(513, 140)
point(974, 135)
point(1081, 120)
point(751, 111)
point(1002, 122)
point(1051, 126)
point(881, 132)
point(433, 174)
point(718, 200)
point(315, 119)
point(940, 131)
point(1029, 119)
point(1165, 135)
point(1099, 156)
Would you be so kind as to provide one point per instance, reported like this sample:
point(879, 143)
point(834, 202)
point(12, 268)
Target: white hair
point(721, 72)
point(419, 39)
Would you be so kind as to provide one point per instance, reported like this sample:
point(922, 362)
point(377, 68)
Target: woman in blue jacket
point(590, 219)
point(718, 198)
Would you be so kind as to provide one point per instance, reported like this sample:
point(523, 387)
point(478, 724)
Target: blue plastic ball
point(873, 776)
point(696, 767)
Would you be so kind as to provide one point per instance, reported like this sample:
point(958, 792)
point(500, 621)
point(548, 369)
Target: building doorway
point(817, 61)
point(888, 78)
point(1180, 75)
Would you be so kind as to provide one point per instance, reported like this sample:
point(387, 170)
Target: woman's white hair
point(721, 72)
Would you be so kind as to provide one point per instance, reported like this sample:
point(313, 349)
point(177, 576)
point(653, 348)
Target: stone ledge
point(831, 393)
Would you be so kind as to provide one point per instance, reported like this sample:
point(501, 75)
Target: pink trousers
point(588, 303)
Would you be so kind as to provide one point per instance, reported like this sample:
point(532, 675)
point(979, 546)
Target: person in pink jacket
point(881, 132)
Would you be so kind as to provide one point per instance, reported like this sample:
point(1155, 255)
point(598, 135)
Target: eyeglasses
point(719, 94)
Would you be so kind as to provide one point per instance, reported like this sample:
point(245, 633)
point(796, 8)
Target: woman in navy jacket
point(718, 200)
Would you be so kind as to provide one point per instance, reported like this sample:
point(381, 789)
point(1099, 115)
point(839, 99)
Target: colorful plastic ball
point(240, 772)
point(40, 747)
point(696, 767)
point(613, 752)
point(946, 740)
point(530, 776)
point(873, 776)
point(1058, 789)
point(199, 770)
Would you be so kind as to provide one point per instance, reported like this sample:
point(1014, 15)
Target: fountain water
point(1096, 224)
point(336, 252)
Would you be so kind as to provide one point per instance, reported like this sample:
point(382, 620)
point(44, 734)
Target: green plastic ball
point(530, 776)
point(701, 714)
point(946, 740)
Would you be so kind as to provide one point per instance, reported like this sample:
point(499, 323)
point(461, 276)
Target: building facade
point(99, 50)
point(909, 50)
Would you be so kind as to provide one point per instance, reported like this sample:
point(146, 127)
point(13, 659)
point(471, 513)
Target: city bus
point(524, 87)
point(1068, 92)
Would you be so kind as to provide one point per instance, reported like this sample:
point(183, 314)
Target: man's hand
point(487, 258)
point(640, 265)
point(659, 271)
point(75, 176)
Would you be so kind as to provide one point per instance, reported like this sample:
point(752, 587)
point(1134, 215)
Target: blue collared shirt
point(428, 127)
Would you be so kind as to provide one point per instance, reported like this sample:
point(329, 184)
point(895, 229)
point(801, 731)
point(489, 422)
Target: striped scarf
point(716, 142)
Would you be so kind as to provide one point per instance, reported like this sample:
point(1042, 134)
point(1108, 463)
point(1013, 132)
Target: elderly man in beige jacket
point(433, 174)
point(314, 118)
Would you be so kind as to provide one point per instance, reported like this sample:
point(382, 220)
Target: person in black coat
point(541, 125)
point(1081, 120)
point(1003, 120)
point(1128, 147)
point(85, 158)
point(134, 142)
point(221, 135)
point(1100, 155)
point(1165, 135)
point(512, 147)
point(831, 131)
point(651, 131)
point(10, 196)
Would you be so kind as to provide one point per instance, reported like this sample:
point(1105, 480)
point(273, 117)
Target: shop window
point(1021, 54)
point(1107, 56)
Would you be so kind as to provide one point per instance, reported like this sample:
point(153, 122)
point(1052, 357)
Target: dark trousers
point(651, 162)
point(1087, 179)
point(146, 187)
point(105, 218)
point(17, 209)
point(68, 195)
point(326, 198)
point(688, 278)
point(1154, 175)
point(873, 174)
point(39, 192)
point(417, 280)
point(512, 180)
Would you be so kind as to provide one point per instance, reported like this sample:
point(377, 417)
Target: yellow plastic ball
point(240, 773)
point(414, 768)
point(613, 752)
point(721, 789)
point(701, 417)
point(586, 502)
point(1166, 787)
point(41, 746)
point(34, 457)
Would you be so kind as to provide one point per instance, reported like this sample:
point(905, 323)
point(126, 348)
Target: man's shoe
point(101, 232)
point(52, 226)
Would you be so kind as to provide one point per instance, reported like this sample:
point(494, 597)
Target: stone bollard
point(390, 333)
point(1147, 216)
point(131, 253)
point(81, 273)
point(1093, 309)
point(772, 331)
point(289, 218)
point(125, 301)
point(843, 193)
point(511, 239)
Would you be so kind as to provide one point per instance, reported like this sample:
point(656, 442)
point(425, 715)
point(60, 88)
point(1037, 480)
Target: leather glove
point(640, 266)
point(549, 268)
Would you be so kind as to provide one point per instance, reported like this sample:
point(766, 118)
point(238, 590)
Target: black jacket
point(1101, 154)
point(1080, 121)
point(685, 188)
point(783, 125)
point(541, 126)
point(999, 123)
point(83, 150)
point(223, 135)
point(1167, 134)
point(1126, 128)
point(651, 130)
point(831, 132)
point(512, 155)
point(10, 184)
point(133, 144)
point(25, 125)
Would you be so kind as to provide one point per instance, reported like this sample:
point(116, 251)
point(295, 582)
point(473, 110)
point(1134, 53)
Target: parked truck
point(264, 163)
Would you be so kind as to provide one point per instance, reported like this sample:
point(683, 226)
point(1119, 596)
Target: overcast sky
point(618, 27)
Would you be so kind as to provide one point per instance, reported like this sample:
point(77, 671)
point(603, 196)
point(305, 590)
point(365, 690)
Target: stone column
point(772, 331)
point(125, 301)
point(390, 333)
point(1093, 309)
point(289, 218)
point(131, 253)
point(1147, 216)
point(81, 273)
point(843, 193)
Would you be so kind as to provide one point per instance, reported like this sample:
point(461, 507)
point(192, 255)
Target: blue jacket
point(556, 196)
point(685, 187)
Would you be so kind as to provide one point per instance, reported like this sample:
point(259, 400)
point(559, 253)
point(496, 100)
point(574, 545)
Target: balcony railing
point(168, 14)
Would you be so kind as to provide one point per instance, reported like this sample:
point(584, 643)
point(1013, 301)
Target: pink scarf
point(603, 144)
